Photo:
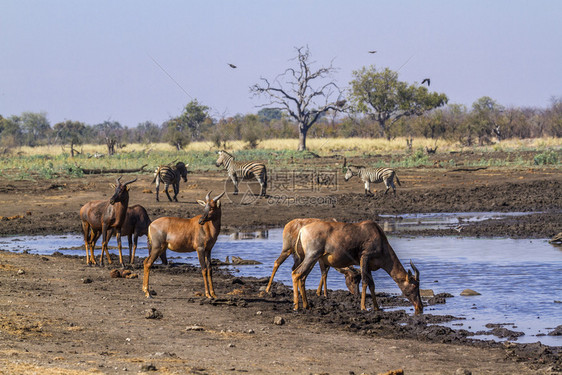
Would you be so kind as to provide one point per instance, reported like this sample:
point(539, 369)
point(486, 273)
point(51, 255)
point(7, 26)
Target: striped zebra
point(372, 175)
point(241, 171)
point(170, 175)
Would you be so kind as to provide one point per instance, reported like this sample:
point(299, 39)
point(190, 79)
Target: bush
point(546, 157)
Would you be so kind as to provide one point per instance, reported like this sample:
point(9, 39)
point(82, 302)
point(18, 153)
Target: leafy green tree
point(10, 132)
point(111, 133)
point(70, 133)
point(252, 131)
point(35, 127)
point(193, 118)
point(269, 114)
point(486, 119)
point(381, 96)
point(302, 93)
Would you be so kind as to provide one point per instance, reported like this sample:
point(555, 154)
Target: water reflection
point(518, 279)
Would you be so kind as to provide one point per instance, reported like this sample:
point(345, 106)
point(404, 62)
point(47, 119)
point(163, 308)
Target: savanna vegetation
point(306, 110)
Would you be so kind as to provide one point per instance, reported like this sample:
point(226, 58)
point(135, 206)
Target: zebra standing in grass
point(373, 175)
point(241, 171)
point(170, 175)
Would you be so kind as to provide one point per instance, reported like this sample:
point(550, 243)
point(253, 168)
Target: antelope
point(105, 217)
point(290, 234)
point(186, 235)
point(345, 244)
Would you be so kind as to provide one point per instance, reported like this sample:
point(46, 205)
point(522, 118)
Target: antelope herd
point(329, 243)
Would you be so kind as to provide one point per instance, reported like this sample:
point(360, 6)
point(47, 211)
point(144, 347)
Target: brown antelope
point(290, 233)
point(186, 235)
point(105, 217)
point(344, 244)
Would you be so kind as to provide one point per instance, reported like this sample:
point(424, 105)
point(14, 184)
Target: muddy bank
point(60, 316)
point(53, 208)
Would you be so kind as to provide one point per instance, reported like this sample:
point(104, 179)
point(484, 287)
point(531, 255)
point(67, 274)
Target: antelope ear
point(202, 203)
point(218, 203)
point(128, 188)
point(112, 185)
point(409, 276)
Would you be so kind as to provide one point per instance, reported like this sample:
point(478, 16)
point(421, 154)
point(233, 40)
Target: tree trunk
point(302, 138)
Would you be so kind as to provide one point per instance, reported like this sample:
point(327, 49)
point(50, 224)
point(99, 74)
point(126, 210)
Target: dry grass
point(318, 145)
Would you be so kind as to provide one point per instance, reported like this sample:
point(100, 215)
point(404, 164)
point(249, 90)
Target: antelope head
point(212, 208)
point(411, 289)
point(121, 191)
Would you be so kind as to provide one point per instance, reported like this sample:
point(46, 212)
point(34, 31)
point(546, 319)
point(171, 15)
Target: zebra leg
point(368, 189)
point(176, 188)
point(157, 188)
point(387, 184)
point(235, 182)
point(168, 194)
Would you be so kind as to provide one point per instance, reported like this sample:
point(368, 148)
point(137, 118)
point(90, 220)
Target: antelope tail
point(298, 249)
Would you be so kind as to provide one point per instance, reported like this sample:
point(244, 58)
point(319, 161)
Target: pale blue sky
point(91, 60)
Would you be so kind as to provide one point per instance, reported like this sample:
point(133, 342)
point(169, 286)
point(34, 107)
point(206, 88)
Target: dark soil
point(60, 316)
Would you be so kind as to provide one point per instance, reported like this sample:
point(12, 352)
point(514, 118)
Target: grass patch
point(49, 162)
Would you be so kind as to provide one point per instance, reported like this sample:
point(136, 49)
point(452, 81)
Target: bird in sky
point(426, 80)
point(458, 228)
point(372, 51)
point(232, 66)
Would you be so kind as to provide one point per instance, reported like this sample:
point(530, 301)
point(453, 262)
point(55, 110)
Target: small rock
point(231, 345)
point(462, 371)
point(427, 293)
point(278, 320)
point(21, 272)
point(115, 273)
point(258, 313)
point(470, 292)
point(87, 280)
point(557, 331)
point(237, 280)
point(251, 331)
point(148, 367)
point(262, 288)
point(153, 314)
point(194, 328)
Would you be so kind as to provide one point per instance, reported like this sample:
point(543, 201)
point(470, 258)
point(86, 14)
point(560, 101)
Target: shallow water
point(519, 280)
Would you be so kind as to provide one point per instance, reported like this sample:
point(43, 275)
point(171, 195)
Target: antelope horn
point(219, 196)
point(118, 180)
point(130, 182)
point(416, 271)
point(208, 196)
point(344, 162)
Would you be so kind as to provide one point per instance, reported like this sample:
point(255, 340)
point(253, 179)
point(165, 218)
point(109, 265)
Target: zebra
point(372, 175)
point(170, 175)
point(241, 171)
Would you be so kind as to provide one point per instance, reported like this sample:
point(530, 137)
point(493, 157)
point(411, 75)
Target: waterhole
point(518, 279)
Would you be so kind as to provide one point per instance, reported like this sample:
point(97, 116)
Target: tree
point(384, 98)
point(10, 132)
point(111, 132)
point(486, 119)
point(70, 132)
point(35, 127)
point(193, 117)
point(296, 93)
point(181, 130)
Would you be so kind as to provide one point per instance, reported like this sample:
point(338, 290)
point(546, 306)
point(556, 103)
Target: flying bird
point(458, 228)
point(372, 51)
point(426, 80)
point(232, 66)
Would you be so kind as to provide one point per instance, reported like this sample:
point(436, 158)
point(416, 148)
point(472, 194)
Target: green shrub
point(546, 157)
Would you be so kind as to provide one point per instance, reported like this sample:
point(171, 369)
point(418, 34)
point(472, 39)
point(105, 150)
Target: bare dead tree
point(293, 92)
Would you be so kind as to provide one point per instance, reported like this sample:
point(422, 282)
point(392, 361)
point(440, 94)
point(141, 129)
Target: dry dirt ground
point(58, 315)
